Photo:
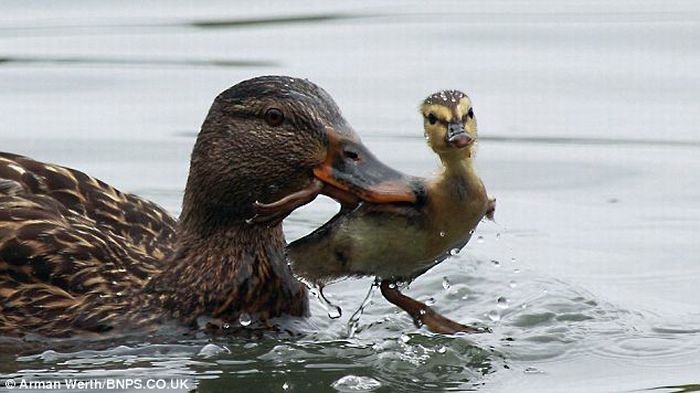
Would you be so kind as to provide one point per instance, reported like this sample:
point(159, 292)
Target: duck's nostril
point(351, 155)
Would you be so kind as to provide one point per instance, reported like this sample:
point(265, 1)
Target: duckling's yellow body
point(399, 241)
point(79, 257)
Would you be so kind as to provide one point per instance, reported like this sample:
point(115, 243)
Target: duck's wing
point(69, 245)
point(142, 223)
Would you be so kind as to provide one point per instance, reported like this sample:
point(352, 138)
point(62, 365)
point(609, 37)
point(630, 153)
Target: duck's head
point(449, 123)
point(270, 137)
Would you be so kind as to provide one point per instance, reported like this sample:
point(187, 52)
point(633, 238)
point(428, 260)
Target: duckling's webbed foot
point(422, 314)
point(278, 210)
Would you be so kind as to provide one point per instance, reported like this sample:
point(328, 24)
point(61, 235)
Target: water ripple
point(135, 61)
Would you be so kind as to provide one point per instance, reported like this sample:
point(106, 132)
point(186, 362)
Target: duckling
point(398, 242)
point(79, 257)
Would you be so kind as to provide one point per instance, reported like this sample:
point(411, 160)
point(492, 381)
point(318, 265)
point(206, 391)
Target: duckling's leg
point(422, 314)
point(278, 210)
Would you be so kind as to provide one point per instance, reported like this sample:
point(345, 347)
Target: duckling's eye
point(432, 119)
point(274, 117)
point(470, 114)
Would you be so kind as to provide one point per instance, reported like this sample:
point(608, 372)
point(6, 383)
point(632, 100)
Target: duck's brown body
point(80, 257)
point(68, 243)
point(77, 255)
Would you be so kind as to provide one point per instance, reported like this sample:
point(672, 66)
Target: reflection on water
point(153, 62)
point(588, 140)
point(229, 23)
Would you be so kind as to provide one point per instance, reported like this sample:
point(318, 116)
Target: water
point(589, 140)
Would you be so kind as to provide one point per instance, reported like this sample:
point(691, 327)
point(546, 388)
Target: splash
point(354, 321)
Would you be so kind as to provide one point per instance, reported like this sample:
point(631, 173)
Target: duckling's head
point(449, 123)
point(268, 137)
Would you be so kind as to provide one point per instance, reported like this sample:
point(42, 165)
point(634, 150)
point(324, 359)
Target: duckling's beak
point(456, 136)
point(351, 173)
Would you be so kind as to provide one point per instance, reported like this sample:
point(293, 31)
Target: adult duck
point(78, 256)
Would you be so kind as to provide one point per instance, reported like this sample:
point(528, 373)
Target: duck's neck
point(458, 164)
point(457, 201)
point(457, 182)
point(227, 272)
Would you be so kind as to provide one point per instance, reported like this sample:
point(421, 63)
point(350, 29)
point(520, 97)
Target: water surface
point(588, 113)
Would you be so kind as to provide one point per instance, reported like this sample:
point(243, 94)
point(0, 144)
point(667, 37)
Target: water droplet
point(502, 303)
point(244, 319)
point(513, 260)
point(454, 251)
point(285, 386)
point(446, 283)
point(430, 301)
point(354, 320)
point(49, 355)
point(211, 350)
point(494, 315)
point(405, 338)
point(480, 239)
point(498, 235)
point(516, 271)
point(523, 306)
point(533, 370)
point(354, 383)
point(227, 326)
point(334, 312)
point(422, 311)
point(442, 234)
point(441, 349)
point(512, 284)
point(392, 285)
point(496, 263)
point(465, 297)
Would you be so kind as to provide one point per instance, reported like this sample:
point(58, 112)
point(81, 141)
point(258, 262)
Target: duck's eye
point(432, 119)
point(274, 117)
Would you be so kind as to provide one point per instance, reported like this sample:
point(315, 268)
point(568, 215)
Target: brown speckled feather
point(67, 239)
point(142, 223)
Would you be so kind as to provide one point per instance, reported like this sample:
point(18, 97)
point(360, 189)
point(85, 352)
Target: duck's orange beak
point(351, 173)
